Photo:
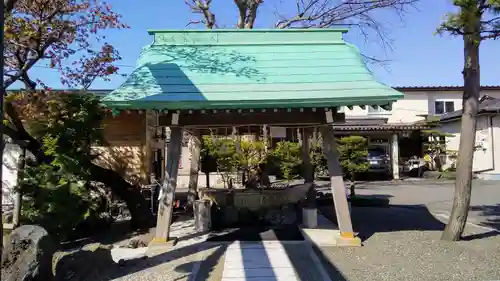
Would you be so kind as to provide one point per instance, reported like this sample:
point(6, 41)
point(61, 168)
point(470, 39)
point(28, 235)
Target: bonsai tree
point(223, 152)
point(353, 151)
point(250, 156)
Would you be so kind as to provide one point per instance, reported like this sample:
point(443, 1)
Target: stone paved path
point(266, 261)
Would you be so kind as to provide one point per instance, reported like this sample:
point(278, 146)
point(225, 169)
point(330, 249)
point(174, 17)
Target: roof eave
point(259, 104)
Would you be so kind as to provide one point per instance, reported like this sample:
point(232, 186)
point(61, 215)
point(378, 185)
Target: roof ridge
point(253, 30)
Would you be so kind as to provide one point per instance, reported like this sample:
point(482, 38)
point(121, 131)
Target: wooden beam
point(337, 183)
point(167, 194)
point(269, 117)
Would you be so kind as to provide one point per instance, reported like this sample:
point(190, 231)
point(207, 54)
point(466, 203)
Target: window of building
point(377, 110)
point(442, 107)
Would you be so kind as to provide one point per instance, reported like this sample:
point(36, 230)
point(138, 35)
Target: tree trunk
point(7, 8)
point(242, 9)
point(2, 146)
point(252, 15)
point(131, 195)
point(352, 186)
point(470, 103)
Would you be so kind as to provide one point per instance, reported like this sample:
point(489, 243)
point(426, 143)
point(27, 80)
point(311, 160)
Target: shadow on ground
point(116, 232)
point(97, 264)
point(78, 265)
point(492, 212)
point(261, 233)
point(370, 219)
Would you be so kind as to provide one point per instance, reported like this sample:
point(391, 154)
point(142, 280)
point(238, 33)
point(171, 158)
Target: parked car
point(379, 160)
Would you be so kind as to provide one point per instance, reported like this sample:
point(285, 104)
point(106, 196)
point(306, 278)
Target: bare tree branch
point(494, 34)
point(202, 7)
point(247, 12)
point(355, 13)
point(318, 14)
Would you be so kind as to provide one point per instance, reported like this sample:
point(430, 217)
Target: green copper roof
point(220, 69)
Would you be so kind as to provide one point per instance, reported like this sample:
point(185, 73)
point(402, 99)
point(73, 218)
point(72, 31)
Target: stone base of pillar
point(202, 215)
point(158, 242)
point(310, 217)
point(347, 240)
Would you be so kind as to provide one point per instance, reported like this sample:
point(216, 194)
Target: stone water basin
point(255, 199)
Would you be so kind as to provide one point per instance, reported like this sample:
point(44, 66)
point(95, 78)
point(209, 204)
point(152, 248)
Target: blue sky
point(418, 57)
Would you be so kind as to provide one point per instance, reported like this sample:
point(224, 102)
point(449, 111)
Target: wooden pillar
point(166, 200)
point(338, 188)
point(310, 213)
point(395, 156)
point(307, 168)
point(194, 167)
point(306, 160)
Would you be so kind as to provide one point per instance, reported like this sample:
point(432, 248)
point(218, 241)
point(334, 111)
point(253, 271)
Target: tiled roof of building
point(381, 127)
point(442, 88)
point(487, 105)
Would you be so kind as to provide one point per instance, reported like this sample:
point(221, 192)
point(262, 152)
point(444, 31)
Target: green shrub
point(353, 151)
point(56, 200)
point(288, 155)
point(56, 193)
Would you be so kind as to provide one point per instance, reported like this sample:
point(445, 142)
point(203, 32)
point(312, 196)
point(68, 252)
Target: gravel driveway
point(437, 197)
point(402, 242)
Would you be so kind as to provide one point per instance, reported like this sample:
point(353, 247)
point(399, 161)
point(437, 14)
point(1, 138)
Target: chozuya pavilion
point(194, 80)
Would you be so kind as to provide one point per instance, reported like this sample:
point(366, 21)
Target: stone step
point(257, 261)
point(266, 261)
point(282, 273)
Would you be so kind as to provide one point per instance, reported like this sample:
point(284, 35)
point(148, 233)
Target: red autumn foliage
point(61, 34)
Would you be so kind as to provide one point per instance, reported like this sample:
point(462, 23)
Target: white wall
point(483, 155)
point(9, 172)
point(495, 122)
point(487, 153)
point(415, 103)
point(408, 109)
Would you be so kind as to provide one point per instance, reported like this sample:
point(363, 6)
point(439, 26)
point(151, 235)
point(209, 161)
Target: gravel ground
point(94, 262)
point(172, 265)
point(165, 263)
point(413, 255)
point(404, 244)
